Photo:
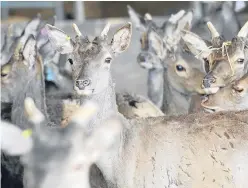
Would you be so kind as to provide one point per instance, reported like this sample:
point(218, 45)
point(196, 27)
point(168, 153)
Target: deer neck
point(155, 85)
point(175, 102)
point(106, 100)
point(34, 88)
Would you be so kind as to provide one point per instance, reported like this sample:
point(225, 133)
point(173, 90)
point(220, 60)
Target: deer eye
point(180, 68)
point(5, 71)
point(240, 60)
point(70, 61)
point(3, 74)
point(108, 60)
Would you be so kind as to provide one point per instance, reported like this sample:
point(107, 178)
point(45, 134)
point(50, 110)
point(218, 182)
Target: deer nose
point(208, 80)
point(81, 84)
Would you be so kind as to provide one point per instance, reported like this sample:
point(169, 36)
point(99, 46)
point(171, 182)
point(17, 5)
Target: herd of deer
point(72, 129)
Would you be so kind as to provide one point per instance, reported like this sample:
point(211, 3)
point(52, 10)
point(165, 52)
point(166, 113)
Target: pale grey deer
point(52, 157)
point(197, 150)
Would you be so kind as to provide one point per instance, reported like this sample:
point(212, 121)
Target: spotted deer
point(174, 76)
point(225, 61)
point(52, 157)
point(196, 150)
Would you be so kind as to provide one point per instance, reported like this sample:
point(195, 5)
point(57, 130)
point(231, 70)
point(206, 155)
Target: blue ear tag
point(49, 74)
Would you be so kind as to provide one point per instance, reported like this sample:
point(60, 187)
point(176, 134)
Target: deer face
point(90, 61)
point(159, 44)
point(224, 61)
point(152, 51)
point(183, 72)
point(226, 66)
point(231, 97)
point(20, 70)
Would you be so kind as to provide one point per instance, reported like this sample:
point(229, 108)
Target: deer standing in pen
point(194, 150)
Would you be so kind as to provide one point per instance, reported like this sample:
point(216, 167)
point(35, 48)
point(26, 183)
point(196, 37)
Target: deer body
point(185, 151)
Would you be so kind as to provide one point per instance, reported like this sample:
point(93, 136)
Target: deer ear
point(121, 39)
point(195, 44)
point(14, 141)
point(33, 25)
point(137, 20)
point(29, 51)
point(185, 22)
point(59, 39)
point(156, 42)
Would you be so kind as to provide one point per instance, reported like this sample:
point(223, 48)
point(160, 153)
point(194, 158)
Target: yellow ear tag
point(27, 133)
point(68, 38)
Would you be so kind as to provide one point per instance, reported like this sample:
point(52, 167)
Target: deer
point(49, 153)
point(224, 61)
point(173, 76)
point(193, 150)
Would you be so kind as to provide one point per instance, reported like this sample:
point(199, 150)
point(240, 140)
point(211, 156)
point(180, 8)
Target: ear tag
point(68, 38)
point(27, 133)
point(49, 74)
point(43, 31)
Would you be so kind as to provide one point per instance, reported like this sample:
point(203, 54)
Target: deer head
point(224, 61)
point(23, 67)
point(90, 61)
point(158, 49)
point(183, 72)
point(147, 59)
point(60, 157)
point(232, 97)
point(12, 42)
